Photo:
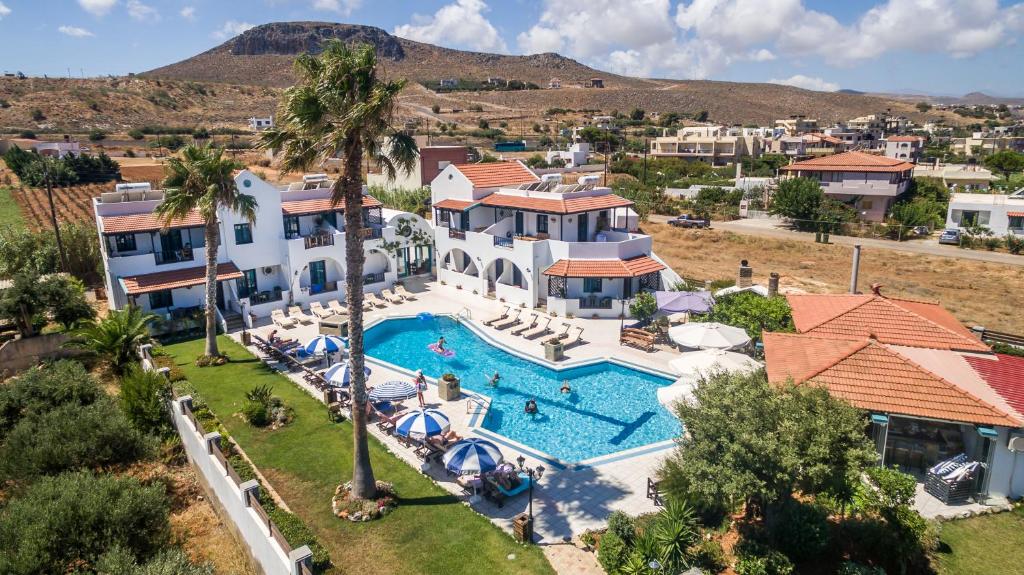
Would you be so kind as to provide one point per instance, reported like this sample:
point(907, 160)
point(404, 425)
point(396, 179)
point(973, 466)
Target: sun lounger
point(538, 330)
point(389, 296)
point(499, 494)
point(400, 290)
point(319, 310)
point(499, 317)
point(336, 307)
point(300, 316)
point(573, 339)
point(528, 324)
point(373, 300)
point(281, 320)
point(561, 330)
point(509, 321)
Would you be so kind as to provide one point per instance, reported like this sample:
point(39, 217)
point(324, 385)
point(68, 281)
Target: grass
point(430, 532)
point(10, 215)
point(982, 545)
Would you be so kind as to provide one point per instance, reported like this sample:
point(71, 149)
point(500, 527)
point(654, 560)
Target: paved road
point(773, 228)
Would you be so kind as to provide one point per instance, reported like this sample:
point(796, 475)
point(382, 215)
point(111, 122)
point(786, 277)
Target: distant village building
point(574, 157)
point(715, 145)
point(554, 83)
point(907, 148)
point(595, 83)
point(796, 125)
point(1001, 213)
point(260, 124)
point(957, 176)
point(58, 149)
point(985, 143)
point(430, 161)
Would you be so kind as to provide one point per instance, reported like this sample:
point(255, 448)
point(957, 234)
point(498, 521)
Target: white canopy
point(694, 365)
point(708, 335)
point(681, 390)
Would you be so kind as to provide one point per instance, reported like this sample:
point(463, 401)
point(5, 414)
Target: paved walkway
point(776, 228)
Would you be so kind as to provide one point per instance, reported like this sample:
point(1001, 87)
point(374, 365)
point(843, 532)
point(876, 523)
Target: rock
point(511, 557)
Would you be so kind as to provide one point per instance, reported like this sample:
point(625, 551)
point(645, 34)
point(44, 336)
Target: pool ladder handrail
point(468, 313)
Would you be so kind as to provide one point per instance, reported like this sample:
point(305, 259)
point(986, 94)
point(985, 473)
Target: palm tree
point(115, 338)
point(340, 106)
point(202, 179)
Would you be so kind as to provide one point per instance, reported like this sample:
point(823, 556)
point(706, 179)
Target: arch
point(334, 271)
point(505, 272)
point(459, 261)
point(376, 262)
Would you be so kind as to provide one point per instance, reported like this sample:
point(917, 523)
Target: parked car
point(689, 221)
point(922, 231)
point(950, 237)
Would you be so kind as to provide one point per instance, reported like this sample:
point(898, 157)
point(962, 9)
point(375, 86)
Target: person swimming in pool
point(531, 406)
point(565, 386)
point(494, 380)
point(440, 343)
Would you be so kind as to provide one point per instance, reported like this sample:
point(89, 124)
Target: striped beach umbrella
point(340, 374)
point(324, 344)
point(422, 423)
point(472, 456)
point(392, 391)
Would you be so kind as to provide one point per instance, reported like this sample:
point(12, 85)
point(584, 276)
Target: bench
point(638, 338)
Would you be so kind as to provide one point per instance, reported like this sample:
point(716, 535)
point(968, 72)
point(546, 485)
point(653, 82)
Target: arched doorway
point(459, 261)
point(376, 265)
point(505, 272)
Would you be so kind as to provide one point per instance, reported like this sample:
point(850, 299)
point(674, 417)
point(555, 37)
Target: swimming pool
point(611, 407)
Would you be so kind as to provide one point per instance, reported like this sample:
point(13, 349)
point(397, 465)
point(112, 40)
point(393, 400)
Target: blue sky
point(931, 46)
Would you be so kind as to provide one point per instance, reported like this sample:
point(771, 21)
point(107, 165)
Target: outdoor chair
point(561, 330)
point(319, 310)
point(528, 324)
point(499, 317)
point(390, 297)
point(336, 307)
point(499, 494)
point(373, 300)
point(575, 339)
point(400, 290)
point(296, 313)
point(281, 320)
point(508, 321)
point(538, 330)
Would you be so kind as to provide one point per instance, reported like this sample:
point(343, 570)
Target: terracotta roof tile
point(172, 279)
point(850, 162)
point(497, 174)
point(1004, 374)
point(630, 268)
point(1015, 214)
point(889, 320)
point(319, 205)
point(904, 139)
point(148, 222)
point(873, 377)
point(451, 204)
point(556, 206)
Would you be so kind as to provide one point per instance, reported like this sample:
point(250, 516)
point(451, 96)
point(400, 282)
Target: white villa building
point(1001, 213)
point(504, 232)
point(871, 182)
point(294, 252)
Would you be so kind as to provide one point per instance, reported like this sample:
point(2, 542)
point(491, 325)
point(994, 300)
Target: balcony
point(372, 233)
point(456, 234)
point(173, 256)
point(502, 242)
point(318, 240)
point(595, 302)
point(374, 278)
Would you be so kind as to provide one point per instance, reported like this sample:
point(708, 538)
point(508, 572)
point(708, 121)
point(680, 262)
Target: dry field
point(978, 293)
point(72, 203)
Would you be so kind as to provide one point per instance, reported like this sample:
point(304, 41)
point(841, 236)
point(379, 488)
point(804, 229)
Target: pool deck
point(569, 498)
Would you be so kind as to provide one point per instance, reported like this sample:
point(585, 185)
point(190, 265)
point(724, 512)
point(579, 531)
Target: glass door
point(317, 276)
point(582, 227)
point(170, 245)
point(519, 223)
point(247, 284)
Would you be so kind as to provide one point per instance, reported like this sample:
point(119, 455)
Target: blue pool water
point(611, 408)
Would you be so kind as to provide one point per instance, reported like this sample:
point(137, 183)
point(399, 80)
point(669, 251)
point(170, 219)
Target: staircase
point(234, 321)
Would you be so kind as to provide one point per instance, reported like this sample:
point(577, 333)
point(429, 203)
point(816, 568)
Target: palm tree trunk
point(351, 183)
point(212, 242)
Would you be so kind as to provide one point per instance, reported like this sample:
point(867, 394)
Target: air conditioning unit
point(1015, 443)
point(268, 270)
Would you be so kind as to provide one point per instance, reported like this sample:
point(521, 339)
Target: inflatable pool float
point(442, 352)
point(425, 316)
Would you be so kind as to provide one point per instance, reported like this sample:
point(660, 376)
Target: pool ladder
point(464, 312)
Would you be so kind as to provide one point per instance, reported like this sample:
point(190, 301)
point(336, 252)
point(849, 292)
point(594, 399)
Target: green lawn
point(9, 212)
point(983, 545)
point(430, 532)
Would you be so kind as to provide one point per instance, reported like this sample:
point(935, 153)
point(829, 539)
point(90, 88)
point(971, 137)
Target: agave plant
point(115, 338)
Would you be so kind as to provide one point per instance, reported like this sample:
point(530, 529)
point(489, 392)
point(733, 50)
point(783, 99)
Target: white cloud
point(188, 13)
point(343, 7)
point(587, 29)
point(142, 12)
point(231, 28)
point(97, 7)
point(762, 55)
point(807, 83)
point(461, 24)
point(74, 31)
point(4, 10)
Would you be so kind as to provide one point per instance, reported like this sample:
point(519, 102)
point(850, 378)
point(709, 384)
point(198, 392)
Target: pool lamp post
point(534, 474)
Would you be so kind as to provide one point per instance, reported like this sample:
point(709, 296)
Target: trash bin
point(448, 388)
point(522, 528)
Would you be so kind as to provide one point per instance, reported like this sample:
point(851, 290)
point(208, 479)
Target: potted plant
point(554, 350)
point(448, 387)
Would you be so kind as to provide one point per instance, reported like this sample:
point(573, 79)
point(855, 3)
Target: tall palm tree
point(340, 106)
point(202, 179)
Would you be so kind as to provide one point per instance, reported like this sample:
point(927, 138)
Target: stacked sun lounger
point(952, 480)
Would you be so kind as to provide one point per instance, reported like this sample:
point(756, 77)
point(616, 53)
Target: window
point(442, 164)
point(542, 224)
point(246, 284)
point(243, 234)
point(125, 242)
point(160, 299)
point(592, 285)
point(866, 204)
point(1016, 222)
point(445, 215)
point(291, 226)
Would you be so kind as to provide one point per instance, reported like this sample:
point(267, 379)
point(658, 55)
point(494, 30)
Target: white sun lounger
point(499, 317)
point(561, 330)
point(318, 309)
point(509, 321)
point(391, 297)
point(281, 320)
point(574, 339)
point(400, 290)
point(336, 307)
point(372, 299)
point(295, 312)
point(523, 326)
point(538, 330)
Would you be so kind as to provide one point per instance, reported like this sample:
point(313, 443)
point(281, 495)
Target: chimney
point(855, 271)
point(773, 284)
point(877, 289)
point(746, 275)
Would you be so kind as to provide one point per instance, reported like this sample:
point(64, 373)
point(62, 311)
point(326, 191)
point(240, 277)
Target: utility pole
point(53, 216)
point(646, 146)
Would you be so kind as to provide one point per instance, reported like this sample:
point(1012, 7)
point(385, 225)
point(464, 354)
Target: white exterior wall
point(1006, 477)
point(992, 211)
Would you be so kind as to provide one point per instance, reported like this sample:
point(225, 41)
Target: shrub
point(801, 531)
point(129, 153)
point(622, 525)
point(757, 559)
point(144, 395)
point(643, 307)
point(992, 243)
point(97, 135)
point(297, 534)
point(38, 115)
point(61, 521)
point(42, 389)
point(851, 568)
point(256, 413)
point(1014, 244)
point(116, 338)
point(611, 552)
point(710, 556)
point(120, 561)
point(136, 134)
point(435, 109)
point(27, 134)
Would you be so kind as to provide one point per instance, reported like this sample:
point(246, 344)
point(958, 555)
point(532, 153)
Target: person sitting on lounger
point(274, 339)
point(440, 343)
point(531, 406)
point(446, 439)
point(494, 380)
point(565, 386)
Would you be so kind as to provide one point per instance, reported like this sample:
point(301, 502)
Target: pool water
point(611, 407)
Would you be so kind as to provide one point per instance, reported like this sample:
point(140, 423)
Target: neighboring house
point(957, 176)
point(554, 83)
point(429, 162)
point(715, 145)
point(293, 253)
point(932, 389)
point(260, 124)
point(595, 83)
point(1001, 213)
point(574, 157)
point(796, 125)
point(503, 232)
point(907, 148)
point(985, 143)
point(58, 149)
point(448, 83)
point(872, 183)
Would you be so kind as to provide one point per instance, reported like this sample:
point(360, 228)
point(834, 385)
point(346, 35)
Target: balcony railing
point(374, 278)
point(266, 296)
point(595, 302)
point(503, 242)
point(318, 240)
point(173, 256)
point(456, 234)
point(372, 233)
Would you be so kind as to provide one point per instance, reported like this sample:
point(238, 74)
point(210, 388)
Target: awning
point(454, 205)
point(173, 279)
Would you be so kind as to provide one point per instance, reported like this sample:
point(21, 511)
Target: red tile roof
point(497, 174)
point(555, 206)
point(149, 222)
point(457, 205)
point(850, 162)
point(319, 205)
point(889, 320)
point(825, 138)
point(874, 377)
point(904, 139)
point(630, 268)
point(187, 277)
point(1015, 214)
point(1004, 374)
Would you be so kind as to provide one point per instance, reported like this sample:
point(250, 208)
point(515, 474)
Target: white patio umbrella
point(693, 365)
point(708, 335)
point(682, 389)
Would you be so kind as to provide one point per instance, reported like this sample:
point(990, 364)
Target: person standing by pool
point(494, 380)
point(421, 386)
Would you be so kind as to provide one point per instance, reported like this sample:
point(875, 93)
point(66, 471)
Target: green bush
point(256, 413)
point(709, 556)
point(757, 559)
point(297, 534)
point(97, 135)
point(643, 307)
point(801, 531)
point(136, 134)
point(42, 389)
point(58, 522)
point(623, 525)
point(851, 568)
point(611, 552)
point(1014, 244)
point(120, 561)
point(144, 395)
